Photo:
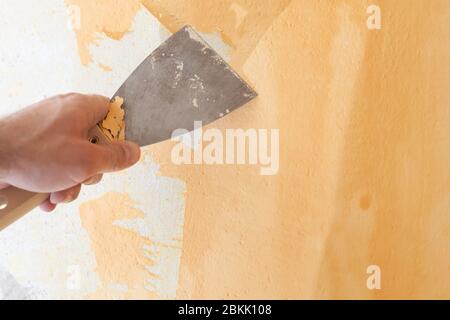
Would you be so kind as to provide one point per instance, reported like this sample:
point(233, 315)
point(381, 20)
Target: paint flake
point(114, 124)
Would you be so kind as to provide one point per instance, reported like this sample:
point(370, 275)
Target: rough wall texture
point(364, 176)
point(364, 118)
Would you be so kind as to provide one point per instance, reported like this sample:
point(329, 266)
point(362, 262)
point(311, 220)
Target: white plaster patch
point(38, 55)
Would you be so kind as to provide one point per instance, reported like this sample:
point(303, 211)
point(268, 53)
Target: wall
point(364, 152)
point(364, 177)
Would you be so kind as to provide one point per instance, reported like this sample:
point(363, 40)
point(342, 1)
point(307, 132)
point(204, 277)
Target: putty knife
point(181, 82)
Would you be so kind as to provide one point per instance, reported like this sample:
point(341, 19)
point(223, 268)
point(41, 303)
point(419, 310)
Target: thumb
point(117, 156)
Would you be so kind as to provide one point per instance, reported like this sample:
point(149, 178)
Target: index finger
point(97, 109)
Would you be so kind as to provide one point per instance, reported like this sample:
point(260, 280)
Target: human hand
point(44, 148)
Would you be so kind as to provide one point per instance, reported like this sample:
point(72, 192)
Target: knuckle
point(72, 95)
point(68, 102)
point(67, 96)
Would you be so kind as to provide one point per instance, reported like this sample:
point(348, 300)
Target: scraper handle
point(16, 203)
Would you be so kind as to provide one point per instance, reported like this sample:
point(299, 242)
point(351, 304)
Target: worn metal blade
point(181, 82)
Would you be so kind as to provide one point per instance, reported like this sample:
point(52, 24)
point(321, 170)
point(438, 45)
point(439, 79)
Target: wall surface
point(364, 180)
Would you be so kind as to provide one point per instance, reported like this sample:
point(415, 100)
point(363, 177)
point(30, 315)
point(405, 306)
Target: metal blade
point(181, 82)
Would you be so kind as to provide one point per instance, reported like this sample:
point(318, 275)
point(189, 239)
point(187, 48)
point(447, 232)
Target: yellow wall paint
point(364, 176)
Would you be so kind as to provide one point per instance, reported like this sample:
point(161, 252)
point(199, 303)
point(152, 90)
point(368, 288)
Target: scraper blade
point(181, 82)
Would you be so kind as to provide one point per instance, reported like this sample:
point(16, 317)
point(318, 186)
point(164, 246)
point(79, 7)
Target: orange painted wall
point(364, 118)
point(365, 152)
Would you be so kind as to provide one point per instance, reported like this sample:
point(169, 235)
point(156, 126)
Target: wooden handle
point(16, 203)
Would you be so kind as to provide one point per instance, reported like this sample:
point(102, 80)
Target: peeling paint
point(112, 18)
point(135, 248)
point(114, 124)
point(119, 252)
